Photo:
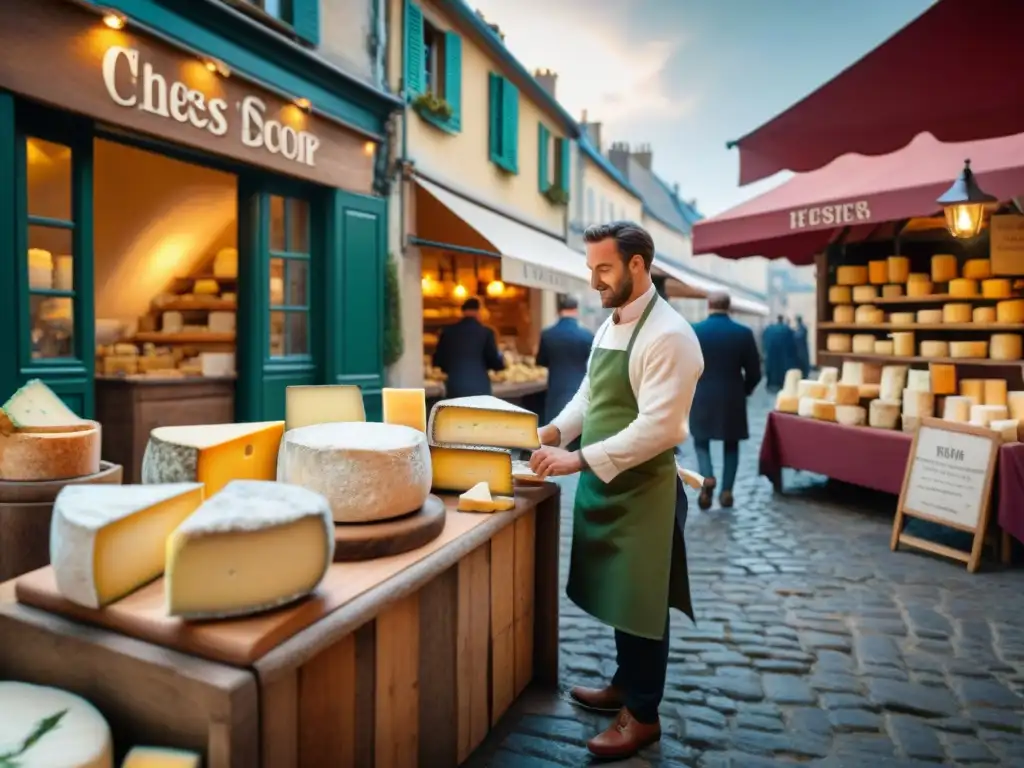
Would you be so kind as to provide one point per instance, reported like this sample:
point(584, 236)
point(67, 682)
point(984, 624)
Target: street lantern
point(964, 204)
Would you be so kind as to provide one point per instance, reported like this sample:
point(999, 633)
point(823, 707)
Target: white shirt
point(663, 371)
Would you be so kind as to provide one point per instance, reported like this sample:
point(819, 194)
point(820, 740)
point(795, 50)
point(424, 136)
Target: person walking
point(732, 372)
point(802, 356)
point(466, 351)
point(564, 350)
point(628, 558)
point(778, 351)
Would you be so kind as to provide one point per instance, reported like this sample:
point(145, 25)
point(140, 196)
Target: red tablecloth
point(1011, 490)
point(871, 458)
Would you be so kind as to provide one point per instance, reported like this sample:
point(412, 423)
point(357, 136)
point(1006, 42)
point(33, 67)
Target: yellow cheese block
point(158, 757)
point(929, 316)
point(957, 408)
point(1006, 346)
point(919, 288)
point(870, 391)
point(918, 277)
point(840, 294)
point(918, 404)
point(977, 269)
point(899, 269)
point(968, 349)
point(995, 392)
point(838, 342)
point(902, 318)
point(851, 415)
point(1015, 402)
point(853, 372)
point(903, 344)
point(1011, 311)
point(995, 288)
point(867, 314)
point(787, 403)
point(307, 405)
point(479, 499)
point(806, 407)
point(1008, 429)
point(847, 394)
point(459, 469)
point(844, 313)
point(206, 287)
point(943, 377)
point(484, 421)
point(878, 272)
point(864, 293)
point(884, 414)
point(963, 286)
point(932, 348)
point(956, 313)
point(983, 315)
point(863, 343)
point(407, 407)
point(974, 389)
point(823, 410)
point(884, 347)
point(851, 275)
point(943, 268)
point(892, 291)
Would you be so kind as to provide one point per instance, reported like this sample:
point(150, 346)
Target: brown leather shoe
point(725, 499)
point(624, 738)
point(608, 699)
point(704, 499)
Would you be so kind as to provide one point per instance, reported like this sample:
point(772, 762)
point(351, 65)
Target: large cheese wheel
point(838, 342)
point(943, 377)
point(892, 291)
point(884, 414)
point(843, 313)
point(1015, 402)
point(367, 471)
point(982, 315)
point(1011, 311)
point(995, 288)
point(878, 272)
point(956, 313)
point(982, 415)
point(851, 275)
point(995, 392)
point(968, 349)
point(840, 294)
point(851, 415)
point(864, 293)
point(957, 408)
point(1006, 346)
point(917, 403)
point(903, 343)
point(867, 314)
point(863, 343)
point(919, 288)
point(823, 410)
point(963, 286)
point(943, 268)
point(933, 348)
point(828, 375)
point(977, 269)
point(815, 390)
point(31, 456)
point(883, 347)
point(847, 394)
point(899, 269)
point(81, 738)
point(787, 403)
point(929, 316)
point(901, 318)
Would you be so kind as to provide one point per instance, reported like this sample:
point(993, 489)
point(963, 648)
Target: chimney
point(643, 154)
point(593, 132)
point(619, 157)
point(675, 190)
point(547, 79)
point(493, 27)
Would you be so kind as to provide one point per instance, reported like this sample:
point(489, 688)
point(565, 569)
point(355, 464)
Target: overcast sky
point(688, 75)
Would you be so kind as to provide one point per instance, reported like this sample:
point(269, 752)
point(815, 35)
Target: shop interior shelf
point(979, 327)
point(212, 304)
point(933, 299)
point(911, 359)
point(184, 338)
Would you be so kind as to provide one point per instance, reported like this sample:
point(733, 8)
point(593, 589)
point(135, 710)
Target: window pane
point(277, 334)
point(273, 7)
point(49, 179)
point(296, 333)
point(277, 235)
point(53, 327)
point(297, 283)
point(49, 258)
point(298, 226)
point(276, 282)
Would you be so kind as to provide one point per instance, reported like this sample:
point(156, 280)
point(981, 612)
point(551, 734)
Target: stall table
point(414, 666)
point(1011, 490)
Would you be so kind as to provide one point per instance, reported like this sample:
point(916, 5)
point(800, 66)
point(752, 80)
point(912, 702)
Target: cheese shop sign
point(134, 83)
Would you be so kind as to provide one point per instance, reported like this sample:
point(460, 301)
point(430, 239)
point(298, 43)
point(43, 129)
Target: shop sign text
point(834, 215)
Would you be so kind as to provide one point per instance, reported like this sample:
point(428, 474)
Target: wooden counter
point(130, 407)
point(414, 670)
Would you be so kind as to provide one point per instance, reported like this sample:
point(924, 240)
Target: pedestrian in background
point(466, 351)
point(564, 350)
point(777, 342)
point(802, 356)
point(732, 370)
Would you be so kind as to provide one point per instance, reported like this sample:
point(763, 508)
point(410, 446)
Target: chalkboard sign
point(948, 481)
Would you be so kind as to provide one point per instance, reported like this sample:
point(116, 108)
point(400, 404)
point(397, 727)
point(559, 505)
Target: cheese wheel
point(903, 343)
point(910, 423)
point(864, 293)
point(918, 380)
point(33, 456)
point(963, 286)
point(1008, 429)
point(791, 385)
point(917, 403)
point(843, 313)
point(956, 313)
point(840, 294)
point(863, 343)
point(892, 291)
point(968, 349)
point(995, 392)
point(867, 314)
point(367, 471)
point(851, 275)
point(902, 318)
point(983, 415)
point(943, 377)
point(851, 415)
point(838, 342)
point(919, 288)
point(823, 410)
point(1006, 346)
point(883, 347)
point(995, 288)
point(974, 389)
point(894, 381)
point(884, 414)
point(943, 268)
point(828, 375)
point(870, 391)
point(932, 348)
point(847, 394)
point(1015, 402)
point(918, 277)
point(899, 269)
point(957, 409)
point(929, 316)
point(787, 403)
point(808, 388)
point(1011, 311)
point(878, 272)
point(982, 315)
point(977, 269)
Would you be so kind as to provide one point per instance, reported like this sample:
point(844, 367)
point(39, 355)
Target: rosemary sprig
point(42, 728)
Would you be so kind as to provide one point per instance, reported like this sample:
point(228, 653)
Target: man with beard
point(628, 561)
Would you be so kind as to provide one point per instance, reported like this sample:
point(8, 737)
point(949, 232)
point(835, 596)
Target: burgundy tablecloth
point(1011, 490)
point(871, 458)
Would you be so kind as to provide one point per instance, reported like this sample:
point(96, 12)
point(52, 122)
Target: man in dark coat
point(802, 356)
point(564, 350)
point(777, 342)
point(466, 351)
point(732, 369)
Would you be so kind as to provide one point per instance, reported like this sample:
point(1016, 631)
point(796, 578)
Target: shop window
point(433, 71)
point(301, 16)
point(504, 123)
point(553, 165)
point(289, 277)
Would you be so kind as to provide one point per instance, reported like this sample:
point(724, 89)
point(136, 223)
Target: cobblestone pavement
point(815, 644)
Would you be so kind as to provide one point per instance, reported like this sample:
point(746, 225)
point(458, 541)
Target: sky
point(686, 76)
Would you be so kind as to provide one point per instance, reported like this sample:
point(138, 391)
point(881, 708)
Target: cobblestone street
point(814, 645)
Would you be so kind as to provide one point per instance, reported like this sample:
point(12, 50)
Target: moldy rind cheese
point(459, 469)
point(483, 421)
point(35, 456)
point(36, 408)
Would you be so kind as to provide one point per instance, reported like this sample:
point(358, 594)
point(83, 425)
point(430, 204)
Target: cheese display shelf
point(835, 358)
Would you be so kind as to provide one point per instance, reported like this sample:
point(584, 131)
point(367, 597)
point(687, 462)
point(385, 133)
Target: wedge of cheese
point(36, 408)
point(321, 404)
point(106, 541)
point(459, 469)
point(483, 421)
point(252, 547)
point(158, 757)
point(212, 454)
point(479, 499)
point(407, 407)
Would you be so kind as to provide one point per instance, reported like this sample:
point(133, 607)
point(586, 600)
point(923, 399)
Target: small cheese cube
point(870, 391)
point(479, 499)
point(943, 268)
point(206, 287)
point(977, 269)
point(787, 403)
point(899, 269)
point(806, 407)
point(910, 423)
point(878, 272)
point(823, 410)
point(1006, 346)
point(851, 275)
point(847, 394)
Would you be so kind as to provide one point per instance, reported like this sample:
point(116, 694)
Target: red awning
point(797, 219)
point(950, 72)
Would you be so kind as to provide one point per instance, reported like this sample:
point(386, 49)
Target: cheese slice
point(995, 392)
point(977, 269)
point(864, 293)
point(840, 294)
point(929, 316)
point(478, 499)
point(106, 541)
point(899, 269)
point(787, 403)
point(254, 546)
point(884, 414)
point(968, 349)
point(983, 315)
point(81, 737)
point(322, 403)
point(851, 275)
point(459, 469)
point(943, 378)
point(844, 313)
point(943, 267)
point(847, 394)
point(956, 313)
point(957, 409)
point(995, 288)
point(1008, 429)
point(1006, 346)
point(212, 454)
point(828, 375)
point(691, 478)
point(894, 381)
point(36, 408)
point(892, 291)
point(791, 385)
point(1015, 402)
point(838, 342)
point(933, 348)
point(917, 403)
point(983, 415)
point(483, 421)
point(522, 473)
point(878, 272)
point(407, 407)
point(1011, 311)
point(158, 757)
point(813, 389)
point(851, 415)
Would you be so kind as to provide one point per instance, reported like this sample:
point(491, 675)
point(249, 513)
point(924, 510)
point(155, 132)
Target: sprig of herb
point(42, 728)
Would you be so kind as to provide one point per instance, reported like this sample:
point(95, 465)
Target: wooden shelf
point(189, 305)
point(979, 327)
point(936, 298)
point(904, 359)
point(156, 337)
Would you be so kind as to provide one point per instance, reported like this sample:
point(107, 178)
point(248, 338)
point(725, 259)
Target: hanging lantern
point(964, 204)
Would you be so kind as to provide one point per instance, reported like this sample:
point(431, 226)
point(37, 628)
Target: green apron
point(628, 562)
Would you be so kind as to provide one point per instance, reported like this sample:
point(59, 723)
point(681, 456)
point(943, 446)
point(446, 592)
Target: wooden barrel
point(25, 510)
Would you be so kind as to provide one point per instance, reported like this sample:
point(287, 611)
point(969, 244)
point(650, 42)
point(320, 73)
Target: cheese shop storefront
point(188, 231)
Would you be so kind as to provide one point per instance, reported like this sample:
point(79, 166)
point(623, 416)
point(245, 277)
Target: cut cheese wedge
point(479, 499)
point(306, 405)
point(522, 473)
point(459, 469)
point(106, 541)
point(36, 408)
point(212, 454)
point(158, 757)
point(407, 407)
point(252, 547)
point(483, 421)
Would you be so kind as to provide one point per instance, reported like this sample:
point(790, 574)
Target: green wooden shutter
point(415, 64)
point(543, 139)
point(565, 151)
point(510, 126)
point(306, 20)
point(453, 77)
point(494, 118)
point(9, 257)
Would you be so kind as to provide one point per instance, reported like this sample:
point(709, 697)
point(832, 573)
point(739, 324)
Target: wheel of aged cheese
point(79, 739)
point(29, 456)
point(368, 471)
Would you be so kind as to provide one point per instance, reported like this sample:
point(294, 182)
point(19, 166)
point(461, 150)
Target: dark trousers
point(643, 665)
point(731, 457)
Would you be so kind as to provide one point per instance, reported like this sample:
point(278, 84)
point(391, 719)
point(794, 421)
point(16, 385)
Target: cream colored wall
point(669, 242)
point(595, 181)
point(345, 30)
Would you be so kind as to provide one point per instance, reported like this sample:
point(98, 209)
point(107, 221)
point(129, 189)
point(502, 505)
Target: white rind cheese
point(957, 408)
point(884, 414)
point(851, 415)
point(791, 385)
point(37, 408)
point(894, 381)
point(828, 375)
point(919, 380)
point(917, 403)
point(482, 421)
point(366, 470)
point(983, 415)
point(1007, 429)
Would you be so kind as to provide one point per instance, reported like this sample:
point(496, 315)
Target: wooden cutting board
point(367, 541)
point(239, 642)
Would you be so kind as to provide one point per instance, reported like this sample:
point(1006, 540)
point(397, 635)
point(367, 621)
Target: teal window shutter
point(510, 126)
point(494, 118)
point(415, 65)
point(543, 140)
point(453, 77)
point(565, 149)
point(306, 20)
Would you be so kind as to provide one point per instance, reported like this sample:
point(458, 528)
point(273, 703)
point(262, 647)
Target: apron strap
point(640, 324)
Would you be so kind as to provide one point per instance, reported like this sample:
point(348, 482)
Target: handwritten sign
point(948, 481)
point(1006, 245)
